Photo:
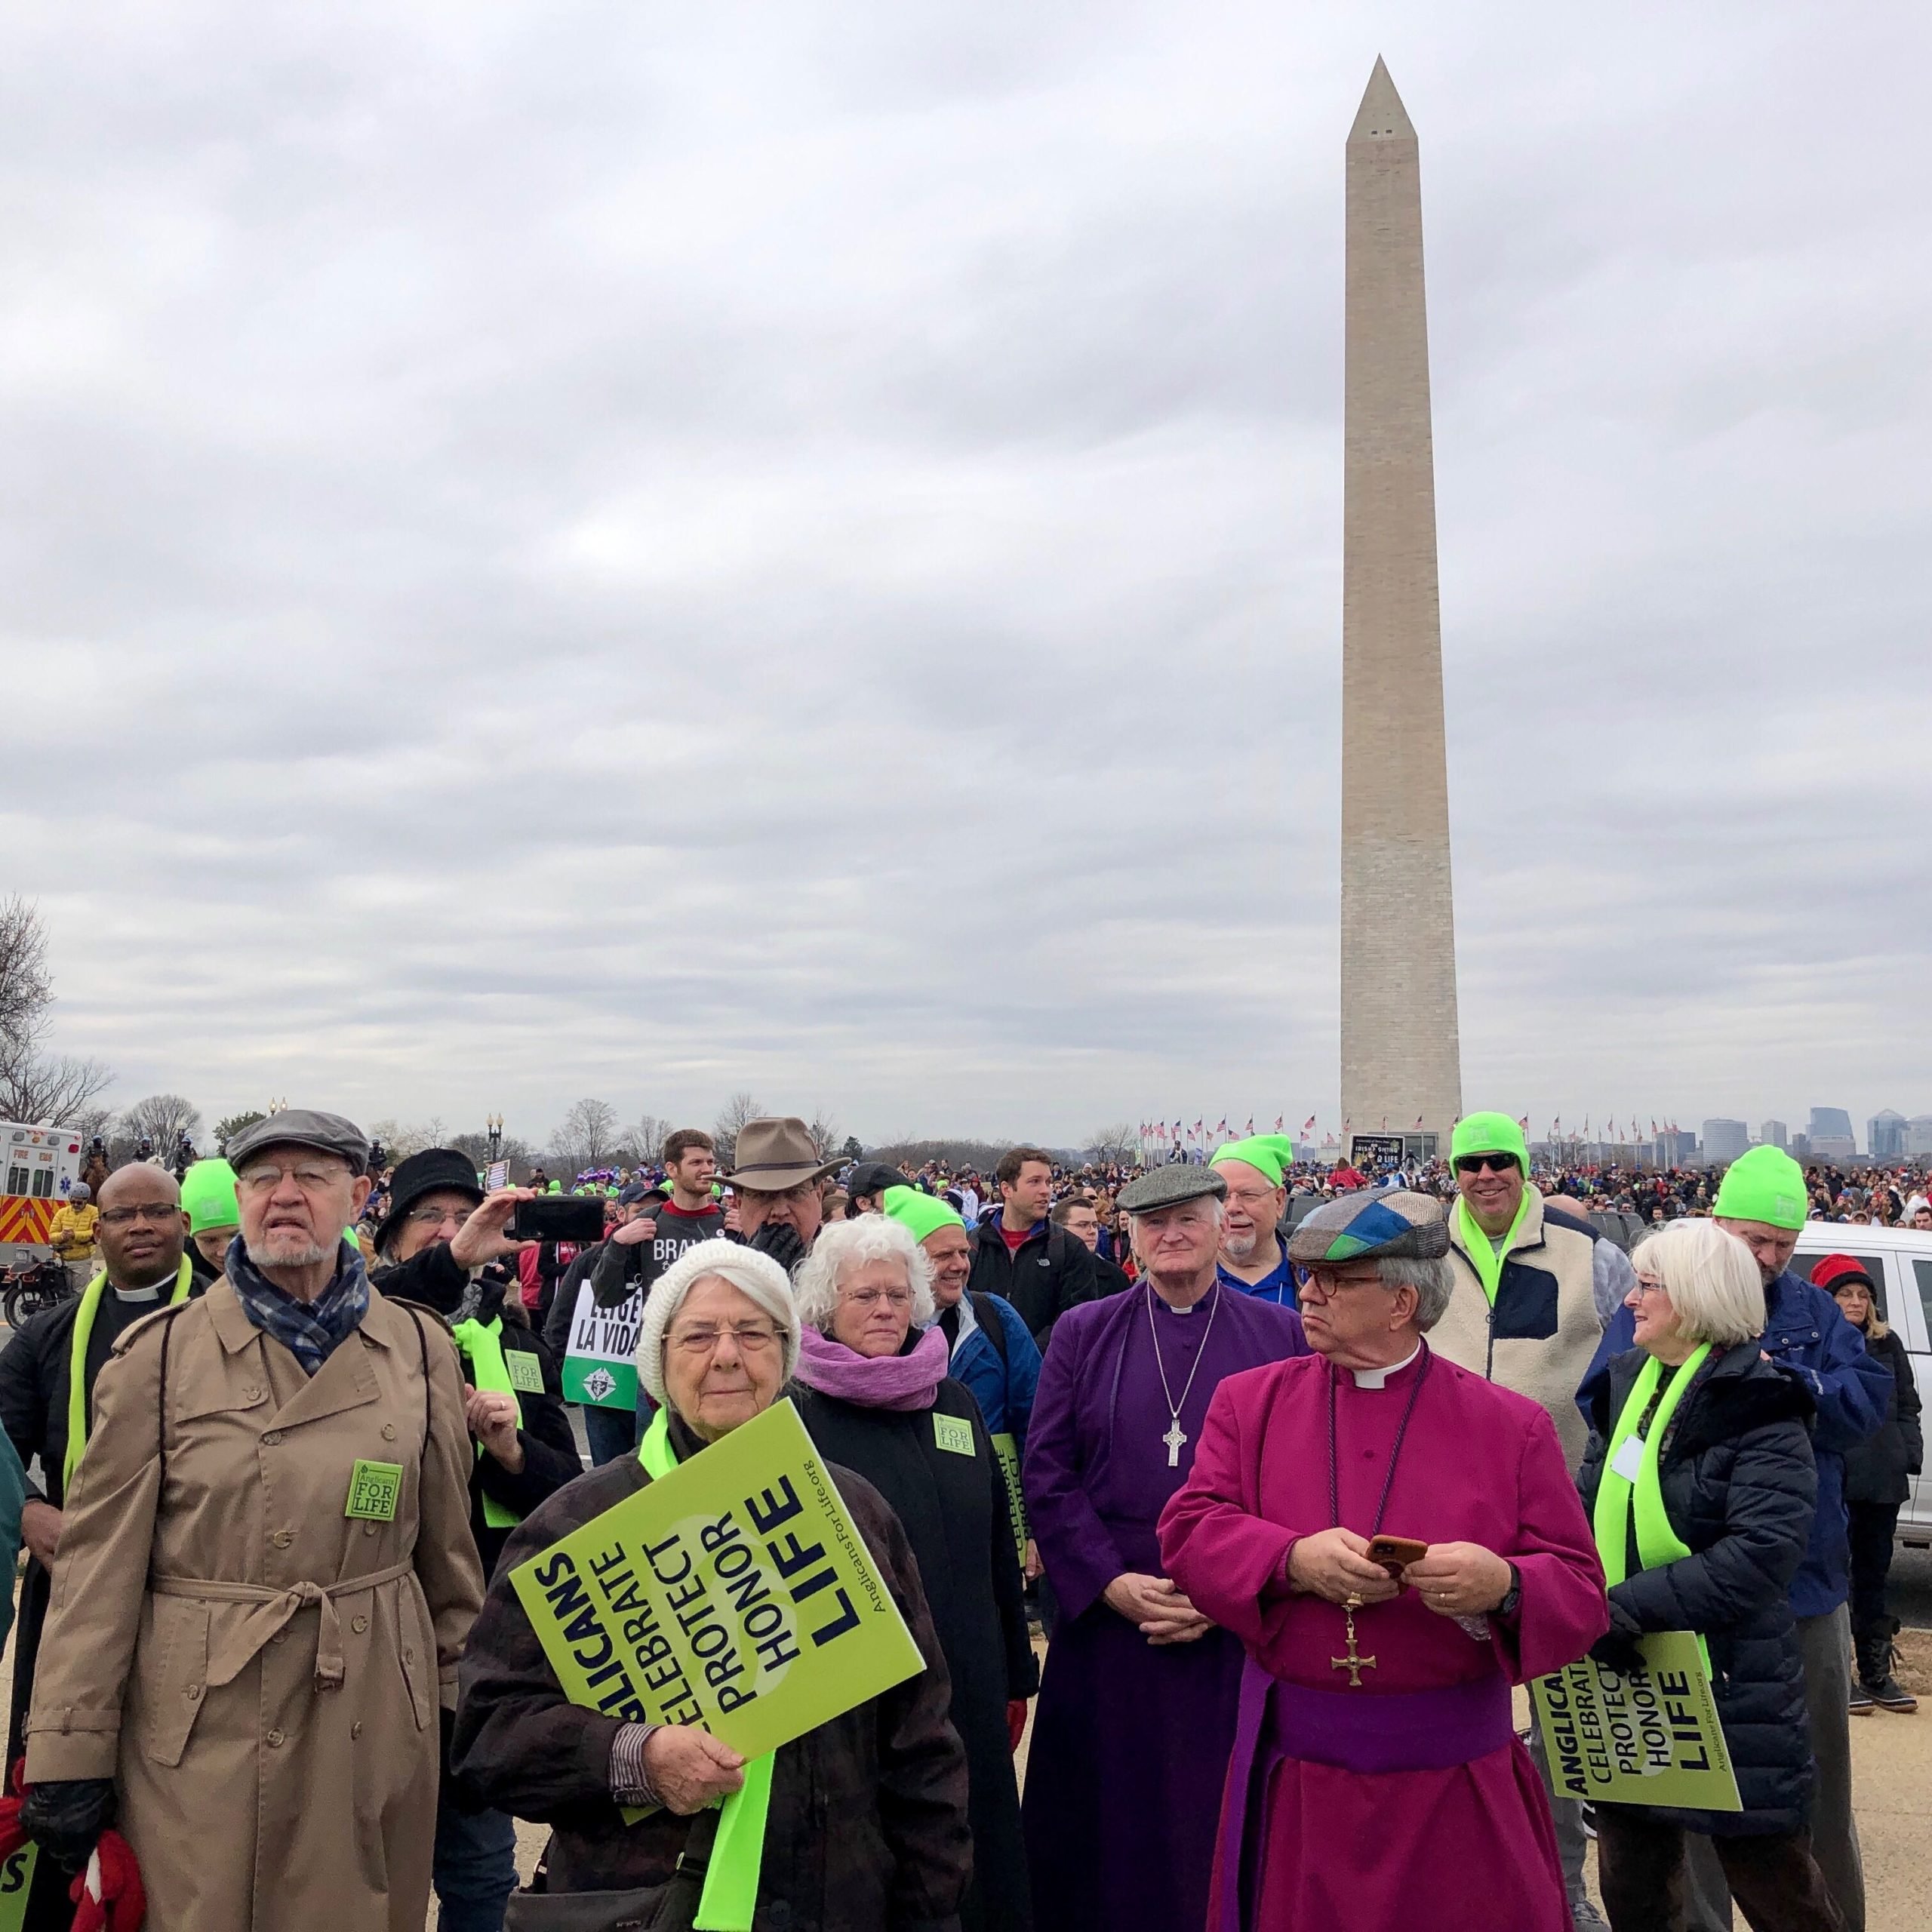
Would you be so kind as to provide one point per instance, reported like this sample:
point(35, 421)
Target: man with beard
point(47, 1385)
point(1254, 1256)
point(441, 1244)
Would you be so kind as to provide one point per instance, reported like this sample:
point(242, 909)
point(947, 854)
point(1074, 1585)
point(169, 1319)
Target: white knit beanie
point(755, 1275)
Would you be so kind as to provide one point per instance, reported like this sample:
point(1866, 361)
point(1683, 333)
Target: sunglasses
point(1477, 1164)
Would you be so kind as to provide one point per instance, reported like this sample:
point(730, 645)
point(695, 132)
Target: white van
point(1900, 1262)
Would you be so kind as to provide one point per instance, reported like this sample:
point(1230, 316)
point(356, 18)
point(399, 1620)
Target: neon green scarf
point(78, 1411)
point(482, 1345)
point(1485, 1257)
point(730, 1881)
point(1618, 1497)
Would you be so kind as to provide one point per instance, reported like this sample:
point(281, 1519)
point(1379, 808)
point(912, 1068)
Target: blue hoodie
point(1806, 1336)
point(1004, 1391)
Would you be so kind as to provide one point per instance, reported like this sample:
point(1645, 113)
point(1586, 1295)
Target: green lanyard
point(482, 1345)
point(1618, 1497)
point(1484, 1256)
point(77, 1367)
point(730, 1881)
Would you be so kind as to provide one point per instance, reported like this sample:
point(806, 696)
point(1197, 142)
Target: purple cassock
point(1130, 1739)
point(1351, 1807)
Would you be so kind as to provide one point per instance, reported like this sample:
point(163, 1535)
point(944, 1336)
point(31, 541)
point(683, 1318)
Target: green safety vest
point(1619, 1498)
point(78, 1413)
point(730, 1881)
point(482, 1343)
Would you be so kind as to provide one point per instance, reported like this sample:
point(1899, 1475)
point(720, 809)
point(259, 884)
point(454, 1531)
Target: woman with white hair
point(865, 1823)
point(1701, 1480)
point(878, 1398)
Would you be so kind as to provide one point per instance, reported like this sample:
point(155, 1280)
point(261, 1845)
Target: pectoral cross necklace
point(1355, 1663)
point(1175, 1438)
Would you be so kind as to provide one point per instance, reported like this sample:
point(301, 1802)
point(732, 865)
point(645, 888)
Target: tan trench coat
point(259, 1670)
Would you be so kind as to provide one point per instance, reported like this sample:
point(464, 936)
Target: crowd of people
point(1310, 1467)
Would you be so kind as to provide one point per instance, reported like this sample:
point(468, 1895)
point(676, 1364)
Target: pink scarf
point(875, 1382)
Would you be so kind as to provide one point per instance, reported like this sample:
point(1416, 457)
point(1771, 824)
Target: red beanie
point(1838, 1271)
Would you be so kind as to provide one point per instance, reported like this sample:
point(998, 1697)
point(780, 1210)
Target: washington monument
point(1401, 1063)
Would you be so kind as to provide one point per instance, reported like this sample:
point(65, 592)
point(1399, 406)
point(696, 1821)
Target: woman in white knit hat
point(719, 1340)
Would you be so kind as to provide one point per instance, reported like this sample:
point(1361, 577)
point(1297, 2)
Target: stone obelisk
point(1400, 1059)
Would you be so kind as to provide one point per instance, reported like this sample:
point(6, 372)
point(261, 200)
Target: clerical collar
point(1378, 1378)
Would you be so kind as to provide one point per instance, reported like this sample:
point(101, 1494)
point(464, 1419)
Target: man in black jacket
point(1022, 1256)
point(440, 1245)
point(1078, 1216)
point(142, 1234)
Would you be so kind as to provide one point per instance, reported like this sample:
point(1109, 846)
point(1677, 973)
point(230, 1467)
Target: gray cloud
point(552, 551)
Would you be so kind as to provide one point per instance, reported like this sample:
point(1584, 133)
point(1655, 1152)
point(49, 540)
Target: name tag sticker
point(954, 1434)
point(1630, 1459)
point(374, 1489)
point(526, 1372)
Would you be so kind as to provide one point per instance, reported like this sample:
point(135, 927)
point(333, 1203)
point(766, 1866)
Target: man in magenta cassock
point(1137, 1704)
point(1377, 1780)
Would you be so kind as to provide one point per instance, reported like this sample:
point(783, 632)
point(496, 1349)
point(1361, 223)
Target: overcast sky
point(643, 552)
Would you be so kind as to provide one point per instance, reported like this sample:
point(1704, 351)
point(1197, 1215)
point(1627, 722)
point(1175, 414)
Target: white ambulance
point(42, 1163)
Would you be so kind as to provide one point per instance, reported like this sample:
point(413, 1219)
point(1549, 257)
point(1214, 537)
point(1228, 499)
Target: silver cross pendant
point(1175, 1438)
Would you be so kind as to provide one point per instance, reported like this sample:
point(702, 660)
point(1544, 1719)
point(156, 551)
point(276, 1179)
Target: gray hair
point(1434, 1281)
point(756, 1276)
point(844, 1244)
point(1711, 1277)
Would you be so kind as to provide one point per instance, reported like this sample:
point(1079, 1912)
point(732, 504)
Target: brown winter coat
point(867, 1831)
point(276, 1749)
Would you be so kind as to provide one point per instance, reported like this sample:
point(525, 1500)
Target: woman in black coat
point(1738, 1485)
point(1877, 1478)
point(877, 1398)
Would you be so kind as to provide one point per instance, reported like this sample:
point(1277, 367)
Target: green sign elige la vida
point(733, 1593)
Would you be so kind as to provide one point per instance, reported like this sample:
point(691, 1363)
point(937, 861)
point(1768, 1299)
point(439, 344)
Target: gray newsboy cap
point(302, 1126)
point(1169, 1185)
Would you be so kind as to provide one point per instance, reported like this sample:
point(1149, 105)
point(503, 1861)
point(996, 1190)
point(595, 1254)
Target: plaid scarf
point(310, 1331)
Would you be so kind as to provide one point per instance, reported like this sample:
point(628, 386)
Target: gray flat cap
point(1169, 1185)
point(302, 1126)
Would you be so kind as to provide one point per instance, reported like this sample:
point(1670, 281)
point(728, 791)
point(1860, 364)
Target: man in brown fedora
point(776, 1175)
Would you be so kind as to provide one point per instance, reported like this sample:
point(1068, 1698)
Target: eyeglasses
point(754, 1337)
point(1327, 1283)
point(310, 1179)
point(1645, 1288)
point(1251, 1197)
point(1478, 1164)
point(872, 1297)
point(434, 1217)
point(159, 1212)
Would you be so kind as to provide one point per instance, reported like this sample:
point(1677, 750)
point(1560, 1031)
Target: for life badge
point(374, 1489)
point(953, 1434)
point(526, 1372)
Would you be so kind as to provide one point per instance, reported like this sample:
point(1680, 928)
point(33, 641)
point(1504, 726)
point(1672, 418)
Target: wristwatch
point(1513, 1597)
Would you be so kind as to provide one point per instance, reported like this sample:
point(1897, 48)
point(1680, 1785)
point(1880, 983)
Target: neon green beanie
point(208, 1197)
point(1267, 1154)
point(922, 1212)
point(1764, 1184)
point(1489, 1134)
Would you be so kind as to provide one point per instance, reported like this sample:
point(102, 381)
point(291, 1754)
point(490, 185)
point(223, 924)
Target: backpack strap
point(990, 1322)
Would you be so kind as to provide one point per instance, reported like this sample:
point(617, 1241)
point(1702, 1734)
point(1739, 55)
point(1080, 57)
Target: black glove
point(66, 1817)
point(1617, 1649)
point(780, 1240)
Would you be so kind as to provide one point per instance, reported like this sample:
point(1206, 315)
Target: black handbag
point(670, 1907)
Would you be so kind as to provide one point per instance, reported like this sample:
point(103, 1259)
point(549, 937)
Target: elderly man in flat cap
point(1396, 1541)
point(1136, 1711)
point(265, 1577)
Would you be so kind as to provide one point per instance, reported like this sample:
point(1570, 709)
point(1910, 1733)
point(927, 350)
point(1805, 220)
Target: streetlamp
point(495, 1125)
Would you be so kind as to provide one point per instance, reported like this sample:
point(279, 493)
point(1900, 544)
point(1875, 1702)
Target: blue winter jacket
point(1805, 1334)
point(1003, 1390)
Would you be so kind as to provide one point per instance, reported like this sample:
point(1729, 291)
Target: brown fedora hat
point(774, 1154)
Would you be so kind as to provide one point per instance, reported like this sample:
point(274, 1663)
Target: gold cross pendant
point(1353, 1663)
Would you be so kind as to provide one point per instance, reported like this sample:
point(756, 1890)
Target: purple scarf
point(910, 1381)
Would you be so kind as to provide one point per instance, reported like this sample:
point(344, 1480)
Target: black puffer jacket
point(1878, 1469)
point(1739, 1487)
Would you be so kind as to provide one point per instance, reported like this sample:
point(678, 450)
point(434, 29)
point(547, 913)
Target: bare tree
point(724, 1131)
point(35, 1085)
point(645, 1141)
point(826, 1133)
point(58, 1088)
point(161, 1119)
point(1118, 1142)
point(586, 1137)
point(25, 990)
